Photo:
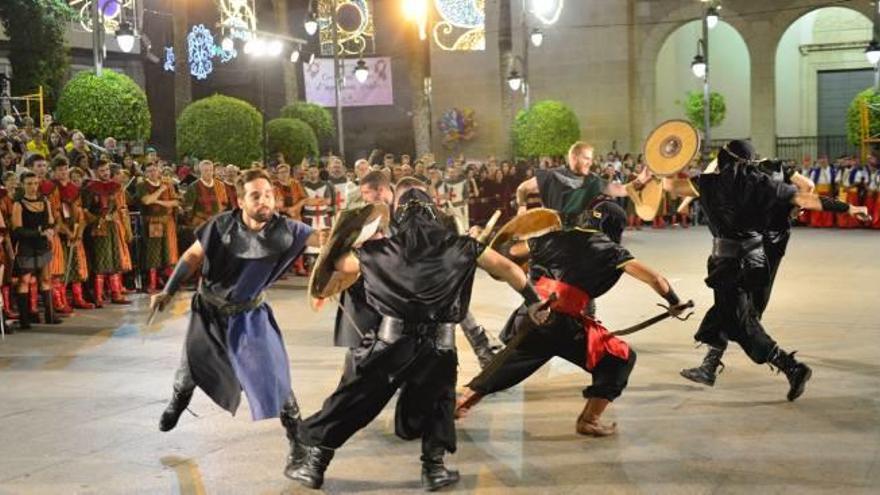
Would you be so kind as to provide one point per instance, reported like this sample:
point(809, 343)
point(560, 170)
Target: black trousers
point(532, 347)
point(734, 317)
point(425, 376)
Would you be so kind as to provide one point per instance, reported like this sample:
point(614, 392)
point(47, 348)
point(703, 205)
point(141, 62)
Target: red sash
point(572, 301)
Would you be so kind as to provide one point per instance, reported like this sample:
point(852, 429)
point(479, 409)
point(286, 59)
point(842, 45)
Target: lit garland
point(169, 59)
point(469, 15)
point(356, 33)
point(113, 11)
point(200, 44)
point(238, 17)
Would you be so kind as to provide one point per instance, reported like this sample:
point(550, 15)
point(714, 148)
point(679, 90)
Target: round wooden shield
point(671, 146)
point(351, 228)
point(647, 200)
point(533, 223)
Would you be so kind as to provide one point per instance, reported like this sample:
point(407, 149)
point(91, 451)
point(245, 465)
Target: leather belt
point(227, 308)
point(732, 248)
point(391, 329)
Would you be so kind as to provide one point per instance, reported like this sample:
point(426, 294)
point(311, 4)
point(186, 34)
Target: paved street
point(80, 401)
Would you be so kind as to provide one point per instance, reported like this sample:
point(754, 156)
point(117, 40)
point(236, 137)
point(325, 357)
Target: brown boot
point(99, 290)
point(588, 422)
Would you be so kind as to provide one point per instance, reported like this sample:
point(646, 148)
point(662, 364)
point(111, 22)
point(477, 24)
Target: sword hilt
point(687, 305)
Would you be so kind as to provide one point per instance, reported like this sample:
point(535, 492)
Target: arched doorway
point(729, 75)
point(820, 67)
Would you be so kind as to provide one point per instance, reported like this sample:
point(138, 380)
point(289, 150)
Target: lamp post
point(872, 52)
point(125, 34)
point(700, 68)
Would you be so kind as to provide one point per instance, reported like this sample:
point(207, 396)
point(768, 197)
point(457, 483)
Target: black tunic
point(422, 274)
point(568, 193)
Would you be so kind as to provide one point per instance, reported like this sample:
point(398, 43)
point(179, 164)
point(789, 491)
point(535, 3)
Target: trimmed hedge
point(220, 128)
point(317, 117)
point(293, 137)
point(109, 105)
point(548, 128)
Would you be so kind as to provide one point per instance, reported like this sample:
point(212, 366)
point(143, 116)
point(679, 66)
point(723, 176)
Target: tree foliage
point(109, 105)
point(37, 51)
point(854, 116)
point(316, 116)
point(547, 128)
point(693, 109)
point(220, 128)
point(292, 137)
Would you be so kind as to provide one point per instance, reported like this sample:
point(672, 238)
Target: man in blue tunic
point(233, 342)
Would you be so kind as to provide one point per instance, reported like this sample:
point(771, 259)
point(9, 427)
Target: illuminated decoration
point(200, 43)
point(169, 59)
point(113, 11)
point(462, 26)
point(417, 11)
point(354, 21)
point(547, 11)
point(238, 18)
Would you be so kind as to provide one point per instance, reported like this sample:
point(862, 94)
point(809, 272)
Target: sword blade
point(647, 323)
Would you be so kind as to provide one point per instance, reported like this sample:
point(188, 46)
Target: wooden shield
point(671, 146)
point(647, 200)
point(350, 229)
point(533, 223)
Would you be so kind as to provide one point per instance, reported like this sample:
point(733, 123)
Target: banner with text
point(376, 90)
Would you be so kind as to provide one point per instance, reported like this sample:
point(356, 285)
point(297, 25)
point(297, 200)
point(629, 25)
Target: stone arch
point(729, 75)
point(830, 38)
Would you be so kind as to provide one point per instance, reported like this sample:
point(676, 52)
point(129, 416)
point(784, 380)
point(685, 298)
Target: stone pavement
point(80, 401)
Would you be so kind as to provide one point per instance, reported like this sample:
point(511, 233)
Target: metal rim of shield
point(348, 228)
point(533, 223)
point(671, 146)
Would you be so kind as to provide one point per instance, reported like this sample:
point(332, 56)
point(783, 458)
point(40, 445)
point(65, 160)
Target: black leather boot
point(434, 474)
point(291, 419)
point(706, 372)
point(49, 309)
point(179, 402)
point(797, 373)
point(24, 313)
point(479, 341)
point(311, 472)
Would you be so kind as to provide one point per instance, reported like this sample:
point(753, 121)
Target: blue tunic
point(245, 351)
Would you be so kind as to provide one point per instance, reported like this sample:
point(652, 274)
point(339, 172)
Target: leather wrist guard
point(833, 204)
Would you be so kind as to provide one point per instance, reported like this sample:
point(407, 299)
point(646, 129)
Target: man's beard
point(260, 214)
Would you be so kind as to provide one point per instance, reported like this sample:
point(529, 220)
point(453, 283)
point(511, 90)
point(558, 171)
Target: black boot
point(24, 312)
point(797, 373)
point(311, 472)
point(291, 419)
point(179, 402)
point(434, 474)
point(479, 341)
point(48, 309)
point(707, 371)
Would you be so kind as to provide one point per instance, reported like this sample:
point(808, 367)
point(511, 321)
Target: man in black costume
point(577, 265)
point(742, 204)
point(233, 342)
point(356, 321)
point(419, 279)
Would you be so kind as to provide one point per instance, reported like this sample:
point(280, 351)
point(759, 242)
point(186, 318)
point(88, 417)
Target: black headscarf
point(736, 151)
point(606, 217)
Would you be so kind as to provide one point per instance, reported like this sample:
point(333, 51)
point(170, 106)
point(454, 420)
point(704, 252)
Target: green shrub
point(693, 109)
point(854, 116)
point(109, 105)
point(292, 137)
point(316, 116)
point(220, 128)
point(547, 128)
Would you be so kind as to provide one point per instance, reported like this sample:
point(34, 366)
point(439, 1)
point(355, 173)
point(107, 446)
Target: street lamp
point(294, 55)
point(712, 17)
point(700, 68)
point(311, 23)
point(514, 80)
point(537, 37)
point(125, 36)
point(361, 72)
